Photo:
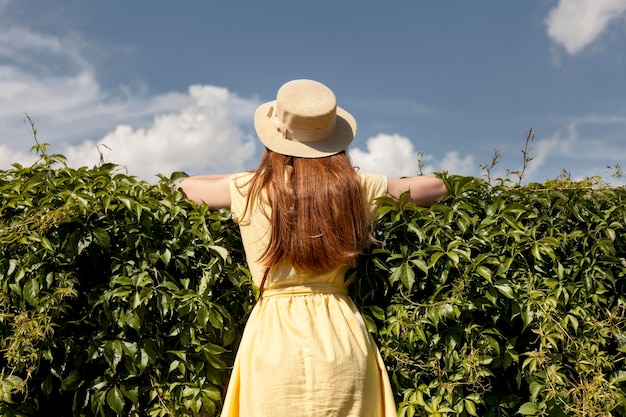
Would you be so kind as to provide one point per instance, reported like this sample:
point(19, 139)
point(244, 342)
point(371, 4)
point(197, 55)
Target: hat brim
point(337, 141)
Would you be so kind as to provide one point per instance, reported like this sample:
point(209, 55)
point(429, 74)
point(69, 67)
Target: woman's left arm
point(424, 190)
point(214, 190)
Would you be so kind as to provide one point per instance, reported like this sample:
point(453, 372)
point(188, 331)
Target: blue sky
point(159, 86)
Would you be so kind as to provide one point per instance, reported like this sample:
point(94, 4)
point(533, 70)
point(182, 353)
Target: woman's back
point(305, 350)
point(254, 218)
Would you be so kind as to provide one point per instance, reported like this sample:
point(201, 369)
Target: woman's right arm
point(424, 190)
point(214, 190)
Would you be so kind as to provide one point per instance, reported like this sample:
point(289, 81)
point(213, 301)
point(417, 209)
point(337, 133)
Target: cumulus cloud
point(575, 24)
point(550, 148)
point(51, 79)
point(455, 164)
point(392, 155)
point(207, 129)
point(42, 75)
point(395, 156)
point(206, 135)
point(23, 158)
point(580, 147)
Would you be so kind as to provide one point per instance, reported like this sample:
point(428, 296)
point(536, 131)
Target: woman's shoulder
point(240, 181)
point(374, 186)
point(374, 183)
point(370, 177)
point(242, 177)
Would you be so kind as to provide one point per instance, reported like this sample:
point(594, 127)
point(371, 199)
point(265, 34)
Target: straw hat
point(304, 121)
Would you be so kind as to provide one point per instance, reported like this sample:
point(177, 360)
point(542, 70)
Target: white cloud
point(575, 24)
point(395, 156)
point(41, 52)
point(48, 78)
point(204, 136)
point(551, 148)
point(51, 96)
point(208, 129)
point(22, 158)
point(392, 155)
point(579, 148)
point(454, 164)
point(51, 79)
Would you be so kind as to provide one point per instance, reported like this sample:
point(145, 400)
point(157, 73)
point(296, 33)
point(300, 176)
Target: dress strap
point(262, 286)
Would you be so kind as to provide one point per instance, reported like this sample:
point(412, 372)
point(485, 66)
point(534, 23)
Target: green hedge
point(119, 297)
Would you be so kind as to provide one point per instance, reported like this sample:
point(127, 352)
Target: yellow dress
point(305, 350)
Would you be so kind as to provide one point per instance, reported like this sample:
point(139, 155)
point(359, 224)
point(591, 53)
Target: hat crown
point(304, 121)
point(306, 105)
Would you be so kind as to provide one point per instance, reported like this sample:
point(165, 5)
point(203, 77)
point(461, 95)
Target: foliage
point(504, 301)
point(119, 297)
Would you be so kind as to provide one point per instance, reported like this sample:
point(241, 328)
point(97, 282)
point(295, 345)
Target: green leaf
point(535, 389)
point(166, 256)
point(115, 400)
point(45, 242)
point(101, 238)
point(130, 392)
point(535, 251)
point(419, 263)
point(470, 407)
point(221, 251)
point(31, 291)
point(71, 382)
point(505, 290)
point(370, 324)
point(407, 276)
point(484, 272)
point(528, 409)
point(618, 377)
point(378, 312)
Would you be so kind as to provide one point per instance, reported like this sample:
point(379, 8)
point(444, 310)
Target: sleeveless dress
point(305, 350)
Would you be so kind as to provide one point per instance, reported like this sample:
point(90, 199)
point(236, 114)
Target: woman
point(305, 215)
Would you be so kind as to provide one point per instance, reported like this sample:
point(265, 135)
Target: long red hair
point(317, 212)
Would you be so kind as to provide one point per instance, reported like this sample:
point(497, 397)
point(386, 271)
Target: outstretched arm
point(423, 190)
point(214, 190)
